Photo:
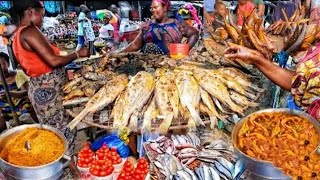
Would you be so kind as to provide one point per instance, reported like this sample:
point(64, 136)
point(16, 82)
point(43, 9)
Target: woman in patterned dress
point(42, 63)
point(155, 35)
point(304, 82)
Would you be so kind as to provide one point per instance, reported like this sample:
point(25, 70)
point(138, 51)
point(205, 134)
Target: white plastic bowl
point(118, 167)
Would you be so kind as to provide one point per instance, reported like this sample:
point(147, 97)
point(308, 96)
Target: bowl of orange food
point(33, 152)
point(279, 144)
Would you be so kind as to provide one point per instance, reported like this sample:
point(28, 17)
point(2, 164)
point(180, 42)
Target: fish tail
point(250, 95)
point(134, 123)
point(253, 104)
point(146, 125)
point(192, 124)
point(256, 88)
point(165, 124)
point(213, 122)
point(235, 107)
point(195, 116)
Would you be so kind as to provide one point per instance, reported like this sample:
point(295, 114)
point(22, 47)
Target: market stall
point(186, 115)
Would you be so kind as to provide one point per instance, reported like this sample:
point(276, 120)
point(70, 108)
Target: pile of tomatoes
point(130, 173)
point(101, 168)
point(111, 154)
point(85, 157)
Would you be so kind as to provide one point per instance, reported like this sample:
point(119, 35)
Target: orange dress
point(30, 61)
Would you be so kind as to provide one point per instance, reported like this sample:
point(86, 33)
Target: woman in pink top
point(245, 8)
point(116, 25)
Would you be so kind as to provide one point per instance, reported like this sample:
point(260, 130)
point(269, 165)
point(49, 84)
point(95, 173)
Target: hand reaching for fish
point(245, 54)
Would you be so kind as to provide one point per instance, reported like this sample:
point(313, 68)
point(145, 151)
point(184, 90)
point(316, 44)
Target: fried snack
point(286, 140)
point(46, 147)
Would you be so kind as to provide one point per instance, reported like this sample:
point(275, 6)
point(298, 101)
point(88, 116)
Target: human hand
point(84, 52)
point(245, 54)
point(209, 20)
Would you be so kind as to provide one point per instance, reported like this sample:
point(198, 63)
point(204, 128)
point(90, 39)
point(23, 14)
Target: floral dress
point(306, 84)
point(156, 36)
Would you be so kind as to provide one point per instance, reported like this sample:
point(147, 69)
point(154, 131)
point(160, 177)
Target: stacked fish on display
point(85, 84)
point(181, 95)
point(184, 157)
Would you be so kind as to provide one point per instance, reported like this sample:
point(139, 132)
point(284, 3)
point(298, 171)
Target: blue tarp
point(5, 5)
point(52, 6)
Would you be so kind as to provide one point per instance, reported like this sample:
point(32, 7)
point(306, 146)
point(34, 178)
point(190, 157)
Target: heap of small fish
point(84, 85)
point(179, 95)
point(172, 158)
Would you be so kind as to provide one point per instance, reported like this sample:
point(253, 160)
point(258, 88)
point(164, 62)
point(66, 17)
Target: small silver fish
point(223, 170)
point(228, 165)
point(206, 172)
point(239, 168)
point(214, 174)
point(191, 173)
point(184, 175)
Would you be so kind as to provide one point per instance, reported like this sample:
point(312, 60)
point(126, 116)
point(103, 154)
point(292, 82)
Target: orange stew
point(286, 140)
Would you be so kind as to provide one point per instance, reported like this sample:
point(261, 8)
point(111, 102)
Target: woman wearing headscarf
point(155, 35)
point(42, 63)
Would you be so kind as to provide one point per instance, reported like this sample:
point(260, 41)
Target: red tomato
point(103, 173)
point(95, 173)
point(114, 149)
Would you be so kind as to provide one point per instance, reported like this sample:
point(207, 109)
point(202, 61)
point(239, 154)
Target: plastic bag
point(112, 140)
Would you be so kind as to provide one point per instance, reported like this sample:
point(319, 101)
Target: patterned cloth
point(46, 96)
point(306, 83)
point(315, 15)
point(156, 36)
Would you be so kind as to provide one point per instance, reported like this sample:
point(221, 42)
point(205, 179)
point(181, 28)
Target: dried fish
point(102, 98)
point(136, 95)
point(189, 93)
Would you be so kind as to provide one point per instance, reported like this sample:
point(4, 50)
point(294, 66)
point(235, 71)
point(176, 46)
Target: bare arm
point(189, 32)
point(32, 38)
point(111, 33)
point(261, 9)
point(135, 45)
point(281, 77)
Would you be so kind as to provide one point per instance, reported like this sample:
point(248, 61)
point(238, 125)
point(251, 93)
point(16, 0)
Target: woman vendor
point(42, 62)
point(304, 83)
point(161, 30)
point(21, 102)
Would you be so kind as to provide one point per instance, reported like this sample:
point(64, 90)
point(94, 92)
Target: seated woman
point(155, 35)
point(304, 82)
point(21, 102)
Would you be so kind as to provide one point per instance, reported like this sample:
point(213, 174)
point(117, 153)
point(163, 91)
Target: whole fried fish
point(217, 89)
point(167, 100)
point(150, 114)
point(74, 93)
point(102, 98)
point(72, 84)
point(207, 100)
point(189, 93)
point(136, 96)
point(243, 101)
